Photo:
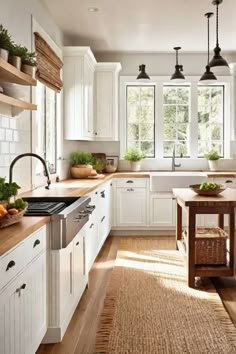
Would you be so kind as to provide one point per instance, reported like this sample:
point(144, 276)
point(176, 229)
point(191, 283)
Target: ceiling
point(143, 26)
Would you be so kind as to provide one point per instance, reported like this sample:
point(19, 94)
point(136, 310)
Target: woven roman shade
point(49, 64)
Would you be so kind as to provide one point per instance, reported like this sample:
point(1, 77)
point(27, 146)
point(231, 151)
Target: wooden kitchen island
point(194, 204)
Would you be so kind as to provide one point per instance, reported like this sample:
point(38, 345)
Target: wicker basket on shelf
point(11, 219)
point(210, 245)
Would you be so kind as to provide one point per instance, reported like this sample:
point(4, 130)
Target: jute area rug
point(150, 309)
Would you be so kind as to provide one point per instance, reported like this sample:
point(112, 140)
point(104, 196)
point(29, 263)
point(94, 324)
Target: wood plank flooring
point(81, 333)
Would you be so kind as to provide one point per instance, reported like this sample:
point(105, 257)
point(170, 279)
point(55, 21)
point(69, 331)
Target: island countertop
point(189, 198)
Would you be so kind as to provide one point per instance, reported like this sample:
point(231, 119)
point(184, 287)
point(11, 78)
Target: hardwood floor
point(81, 333)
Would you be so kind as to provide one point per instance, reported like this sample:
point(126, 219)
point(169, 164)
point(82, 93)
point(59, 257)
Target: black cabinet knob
point(10, 265)
point(77, 243)
point(36, 243)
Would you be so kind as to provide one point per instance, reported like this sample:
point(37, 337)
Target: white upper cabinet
point(78, 80)
point(106, 101)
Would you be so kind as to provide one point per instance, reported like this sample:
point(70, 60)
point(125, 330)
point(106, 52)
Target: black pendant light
point(177, 76)
point(218, 63)
point(208, 77)
point(142, 75)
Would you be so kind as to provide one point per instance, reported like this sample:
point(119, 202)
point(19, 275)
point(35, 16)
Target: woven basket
point(210, 246)
point(11, 219)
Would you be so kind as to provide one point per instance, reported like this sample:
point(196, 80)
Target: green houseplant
point(29, 63)
point(213, 157)
point(5, 43)
point(134, 156)
point(16, 52)
point(81, 164)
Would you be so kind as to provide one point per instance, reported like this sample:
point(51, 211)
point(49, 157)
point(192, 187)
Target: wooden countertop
point(188, 198)
point(14, 234)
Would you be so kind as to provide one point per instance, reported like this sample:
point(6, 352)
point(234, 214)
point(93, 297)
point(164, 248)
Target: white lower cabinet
point(162, 210)
point(68, 281)
point(23, 320)
point(131, 207)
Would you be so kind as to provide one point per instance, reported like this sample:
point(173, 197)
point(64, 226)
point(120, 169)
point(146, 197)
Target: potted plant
point(81, 164)
point(134, 156)
point(212, 156)
point(16, 52)
point(5, 43)
point(29, 63)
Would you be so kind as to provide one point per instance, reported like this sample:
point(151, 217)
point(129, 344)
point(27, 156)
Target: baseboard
point(142, 233)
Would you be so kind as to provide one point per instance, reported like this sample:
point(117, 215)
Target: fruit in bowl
point(207, 188)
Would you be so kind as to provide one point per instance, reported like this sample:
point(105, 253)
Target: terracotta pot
point(28, 69)
point(135, 165)
point(15, 61)
point(81, 171)
point(4, 54)
point(213, 165)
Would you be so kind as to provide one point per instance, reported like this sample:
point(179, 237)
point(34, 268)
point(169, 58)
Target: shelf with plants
point(8, 73)
point(16, 66)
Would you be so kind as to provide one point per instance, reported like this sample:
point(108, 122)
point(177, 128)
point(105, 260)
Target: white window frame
point(193, 81)
point(38, 179)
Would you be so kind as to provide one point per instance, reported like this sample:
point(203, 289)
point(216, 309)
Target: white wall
point(15, 133)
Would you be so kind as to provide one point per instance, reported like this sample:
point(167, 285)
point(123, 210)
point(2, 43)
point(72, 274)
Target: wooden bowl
point(210, 192)
point(11, 219)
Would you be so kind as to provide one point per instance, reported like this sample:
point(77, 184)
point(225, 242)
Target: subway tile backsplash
point(15, 139)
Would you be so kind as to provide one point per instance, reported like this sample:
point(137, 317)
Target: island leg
point(178, 223)
point(191, 247)
point(231, 239)
point(221, 221)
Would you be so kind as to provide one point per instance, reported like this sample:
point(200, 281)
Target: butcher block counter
point(14, 234)
point(194, 204)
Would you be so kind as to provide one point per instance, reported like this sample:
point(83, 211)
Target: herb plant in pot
point(81, 164)
point(16, 52)
point(213, 159)
point(5, 43)
point(29, 63)
point(134, 156)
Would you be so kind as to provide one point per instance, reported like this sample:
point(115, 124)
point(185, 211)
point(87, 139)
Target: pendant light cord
point(217, 25)
point(208, 40)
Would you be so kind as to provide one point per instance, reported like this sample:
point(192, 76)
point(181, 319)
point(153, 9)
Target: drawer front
point(35, 244)
point(131, 182)
point(11, 264)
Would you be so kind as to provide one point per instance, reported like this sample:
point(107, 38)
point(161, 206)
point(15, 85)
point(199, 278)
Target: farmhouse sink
point(166, 181)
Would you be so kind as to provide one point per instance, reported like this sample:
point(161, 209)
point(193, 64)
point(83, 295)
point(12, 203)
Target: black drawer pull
point(228, 181)
point(103, 218)
point(103, 194)
point(23, 286)
point(91, 226)
point(36, 243)
point(129, 181)
point(77, 243)
point(10, 265)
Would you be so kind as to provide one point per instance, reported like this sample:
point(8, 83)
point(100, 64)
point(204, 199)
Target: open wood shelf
point(14, 102)
point(8, 73)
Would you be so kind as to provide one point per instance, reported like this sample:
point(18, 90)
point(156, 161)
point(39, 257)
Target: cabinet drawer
point(11, 264)
point(131, 182)
point(35, 244)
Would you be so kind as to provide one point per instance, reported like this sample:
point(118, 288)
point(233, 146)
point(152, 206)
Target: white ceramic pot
point(15, 61)
point(213, 165)
point(28, 69)
point(4, 54)
point(135, 165)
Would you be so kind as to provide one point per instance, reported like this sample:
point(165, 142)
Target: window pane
point(210, 119)
point(140, 118)
point(176, 120)
point(50, 129)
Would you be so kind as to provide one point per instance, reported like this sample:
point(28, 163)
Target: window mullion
point(159, 120)
point(193, 123)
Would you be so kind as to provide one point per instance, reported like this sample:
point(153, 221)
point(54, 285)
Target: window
point(141, 118)
point(210, 119)
point(46, 130)
point(160, 116)
point(176, 109)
